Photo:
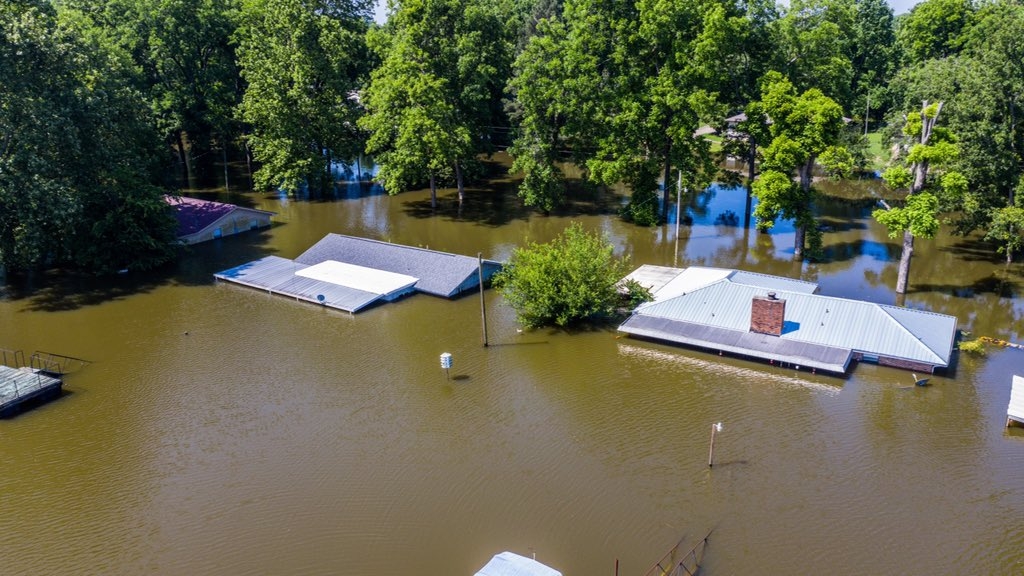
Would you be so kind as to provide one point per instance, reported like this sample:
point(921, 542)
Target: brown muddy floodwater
point(221, 430)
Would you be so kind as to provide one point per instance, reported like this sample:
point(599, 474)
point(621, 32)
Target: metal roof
point(742, 342)
point(439, 273)
point(357, 277)
point(855, 325)
point(195, 214)
point(1016, 408)
point(510, 564)
point(280, 276)
point(666, 282)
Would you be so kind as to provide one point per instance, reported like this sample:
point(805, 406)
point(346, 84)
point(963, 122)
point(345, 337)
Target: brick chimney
point(767, 314)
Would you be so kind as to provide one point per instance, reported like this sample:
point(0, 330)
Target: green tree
point(77, 150)
point(1007, 228)
point(928, 148)
point(633, 80)
point(802, 128)
point(873, 57)
point(934, 29)
point(444, 64)
point(303, 61)
point(186, 68)
point(572, 278)
point(818, 44)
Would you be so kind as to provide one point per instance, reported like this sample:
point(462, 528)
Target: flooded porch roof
point(284, 277)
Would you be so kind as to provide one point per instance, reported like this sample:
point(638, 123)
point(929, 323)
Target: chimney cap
point(771, 296)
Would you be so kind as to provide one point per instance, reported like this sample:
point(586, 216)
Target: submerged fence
point(677, 563)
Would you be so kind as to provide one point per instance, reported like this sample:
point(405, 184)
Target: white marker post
point(446, 363)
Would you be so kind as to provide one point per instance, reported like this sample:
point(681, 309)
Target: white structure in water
point(1015, 412)
point(510, 564)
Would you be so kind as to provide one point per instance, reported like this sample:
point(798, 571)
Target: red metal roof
point(194, 214)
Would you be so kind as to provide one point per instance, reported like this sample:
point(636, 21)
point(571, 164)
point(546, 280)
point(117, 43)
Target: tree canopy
point(78, 154)
point(572, 278)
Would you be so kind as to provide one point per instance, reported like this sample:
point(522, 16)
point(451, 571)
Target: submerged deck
point(21, 385)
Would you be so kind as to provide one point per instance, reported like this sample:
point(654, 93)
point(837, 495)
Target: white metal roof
point(511, 564)
point(1016, 408)
point(357, 277)
point(281, 276)
point(666, 282)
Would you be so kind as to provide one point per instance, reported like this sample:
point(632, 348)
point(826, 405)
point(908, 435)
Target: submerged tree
point(303, 61)
point(929, 147)
point(78, 156)
point(623, 86)
point(435, 95)
point(804, 129)
point(574, 277)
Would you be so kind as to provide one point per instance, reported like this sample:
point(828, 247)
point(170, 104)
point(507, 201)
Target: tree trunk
point(433, 191)
point(458, 181)
point(905, 255)
point(183, 157)
point(805, 186)
point(248, 166)
point(328, 173)
point(749, 206)
point(224, 159)
point(751, 173)
point(920, 171)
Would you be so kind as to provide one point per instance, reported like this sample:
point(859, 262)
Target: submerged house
point(785, 321)
point(350, 273)
point(204, 220)
point(512, 564)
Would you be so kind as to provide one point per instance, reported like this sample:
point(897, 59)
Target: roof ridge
point(405, 246)
point(885, 311)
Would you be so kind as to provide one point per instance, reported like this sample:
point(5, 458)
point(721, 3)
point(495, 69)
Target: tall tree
point(77, 154)
point(928, 147)
point(804, 128)
point(817, 45)
point(934, 29)
point(873, 57)
point(437, 90)
point(633, 81)
point(186, 63)
point(303, 61)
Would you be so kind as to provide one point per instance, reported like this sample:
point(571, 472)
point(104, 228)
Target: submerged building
point(350, 273)
point(785, 321)
point(205, 220)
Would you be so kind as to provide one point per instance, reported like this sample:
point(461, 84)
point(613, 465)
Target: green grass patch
point(877, 153)
point(716, 142)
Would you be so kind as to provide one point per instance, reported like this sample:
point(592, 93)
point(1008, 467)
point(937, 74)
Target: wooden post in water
point(483, 307)
point(711, 453)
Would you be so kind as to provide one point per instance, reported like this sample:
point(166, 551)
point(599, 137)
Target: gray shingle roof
point(439, 273)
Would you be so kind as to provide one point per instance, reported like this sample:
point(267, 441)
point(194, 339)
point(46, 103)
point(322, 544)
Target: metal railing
point(12, 358)
point(674, 564)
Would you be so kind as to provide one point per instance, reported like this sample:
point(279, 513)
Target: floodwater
point(221, 430)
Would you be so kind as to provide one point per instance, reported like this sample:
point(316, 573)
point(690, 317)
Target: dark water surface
point(221, 430)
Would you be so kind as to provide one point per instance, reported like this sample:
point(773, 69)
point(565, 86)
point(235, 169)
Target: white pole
point(679, 201)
